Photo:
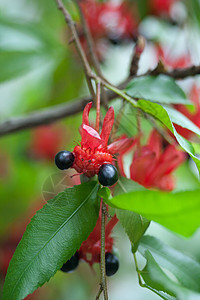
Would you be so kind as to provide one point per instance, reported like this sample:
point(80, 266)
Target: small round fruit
point(112, 264)
point(108, 175)
point(64, 160)
point(71, 264)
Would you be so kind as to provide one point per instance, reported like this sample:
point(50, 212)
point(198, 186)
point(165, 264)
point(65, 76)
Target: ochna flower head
point(94, 150)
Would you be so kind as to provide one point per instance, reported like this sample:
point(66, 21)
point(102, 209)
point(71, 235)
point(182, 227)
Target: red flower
point(161, 7)
point(151, 165)
point(90, 250)
point(108, 21)
point(193, 116)
point(94, 150)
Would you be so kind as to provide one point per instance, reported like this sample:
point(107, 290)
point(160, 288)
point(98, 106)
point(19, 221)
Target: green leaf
point(52, 237)
point(164, 116)
point(169, 270)
point(180, 212)
point(185, 269)
point(161, 89)
point(134, 225)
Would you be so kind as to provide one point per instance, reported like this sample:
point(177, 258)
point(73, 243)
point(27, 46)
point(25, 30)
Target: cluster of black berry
point(112, 264)
point(107, 175)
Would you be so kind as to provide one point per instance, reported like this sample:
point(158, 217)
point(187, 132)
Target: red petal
point(168, 161)
point(155, 142)
point(141, 164)
point(121, 145)
point(86, 113)
point(107, 125)
point(90, 138)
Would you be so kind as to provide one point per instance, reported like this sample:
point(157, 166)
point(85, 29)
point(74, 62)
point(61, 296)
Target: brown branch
point(61, 111)
point(47, 116)
point(138, 49)
point(176, 73)
point(42, 117)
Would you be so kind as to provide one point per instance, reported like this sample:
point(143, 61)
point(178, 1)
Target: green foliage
point(134, 224)
point(161, 89)
point(168, 116)
point(169, 270)
point(172, 210)
point(52, 237)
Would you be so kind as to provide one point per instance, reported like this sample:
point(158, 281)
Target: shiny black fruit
point(108, 175)
point(112, 264)
point(71, 264)
point(64, 160)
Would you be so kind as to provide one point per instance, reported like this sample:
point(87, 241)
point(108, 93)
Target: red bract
point(94, 150)
point(90, 250)
point(175, 62)
point(194, 96)
point(161, 7)
point(152, 166)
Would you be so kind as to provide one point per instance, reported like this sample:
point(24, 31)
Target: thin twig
point(48, 115)
point(79, 48)
point(92, 52)
point(99, 292)
point(89, 41)
point(138, 49)
point(103, 267)
point(176, 73)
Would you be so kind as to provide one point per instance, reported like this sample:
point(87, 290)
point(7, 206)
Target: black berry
point(64, 160)
point(108, 175)
point(112, 264)
point(71, 264)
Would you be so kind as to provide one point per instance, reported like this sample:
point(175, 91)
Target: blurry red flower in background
point(152, 166)
point(94, 150)
point(109, 21)
point(90, 250)
point(161, 7)
point(194, 96)
point(46, 141)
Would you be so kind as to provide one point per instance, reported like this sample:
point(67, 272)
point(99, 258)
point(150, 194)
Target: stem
point(103, 266)
point(144, 285)
point(120, 93)
point(75, 36)
point(98, 85)
point(99, 292)
point(89, 40)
